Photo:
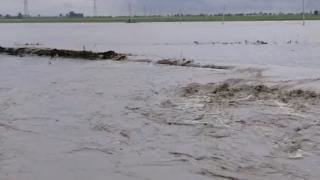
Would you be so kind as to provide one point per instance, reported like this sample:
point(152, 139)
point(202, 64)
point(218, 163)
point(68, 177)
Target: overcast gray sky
point(120, 7)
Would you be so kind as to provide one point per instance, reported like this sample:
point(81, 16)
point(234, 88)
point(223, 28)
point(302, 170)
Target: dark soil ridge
point(61, 53)
point(190, 63)
point(89, 55)
point(229, 91)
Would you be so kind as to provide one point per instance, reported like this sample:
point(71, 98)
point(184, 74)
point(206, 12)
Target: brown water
point(82, 120)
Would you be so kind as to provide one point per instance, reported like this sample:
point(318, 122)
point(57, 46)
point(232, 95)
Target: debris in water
point(175, 62)
point(232, 91)
point(297, 155)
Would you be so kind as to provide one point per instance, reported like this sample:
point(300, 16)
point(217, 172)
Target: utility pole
point(26, 8)
point(144, 11)
point(94, 8)
point(130, 12)
point(303, 13)
point(223, 14)
point(181, 15)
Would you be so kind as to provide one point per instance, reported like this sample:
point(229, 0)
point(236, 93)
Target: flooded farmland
point(257, 119)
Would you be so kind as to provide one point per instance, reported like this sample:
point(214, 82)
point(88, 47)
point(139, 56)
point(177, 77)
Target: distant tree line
point(316, 12)
point(8, 16)
point(73, 14)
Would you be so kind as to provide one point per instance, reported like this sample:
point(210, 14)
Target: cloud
point(120, 7)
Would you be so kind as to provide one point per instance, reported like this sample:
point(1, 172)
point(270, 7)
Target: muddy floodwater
point(77, 119)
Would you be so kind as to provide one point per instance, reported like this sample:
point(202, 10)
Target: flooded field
point(66, 118)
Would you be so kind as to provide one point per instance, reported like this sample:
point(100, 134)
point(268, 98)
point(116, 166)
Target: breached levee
point(108, 55)
point(61, 53)
point(190, 63)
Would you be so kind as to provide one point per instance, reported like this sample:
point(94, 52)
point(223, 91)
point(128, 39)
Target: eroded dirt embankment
point(108, 55)
point(62, 53)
